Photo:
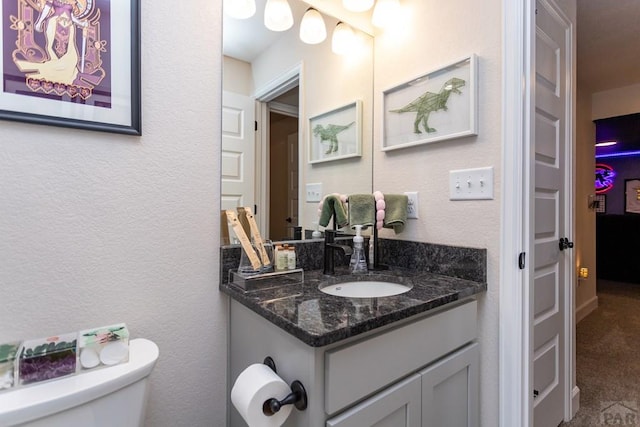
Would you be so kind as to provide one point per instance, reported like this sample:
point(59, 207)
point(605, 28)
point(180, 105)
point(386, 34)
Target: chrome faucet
point(330, 247)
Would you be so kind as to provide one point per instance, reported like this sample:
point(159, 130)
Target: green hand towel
point(362, 210)
point(395, 213)
point(333, 206)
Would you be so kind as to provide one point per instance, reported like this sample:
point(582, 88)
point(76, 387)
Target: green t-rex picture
point(430, 102)
point(330, 133)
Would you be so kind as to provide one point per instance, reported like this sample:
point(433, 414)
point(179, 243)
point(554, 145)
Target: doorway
point(277, 145)
point(283, 167)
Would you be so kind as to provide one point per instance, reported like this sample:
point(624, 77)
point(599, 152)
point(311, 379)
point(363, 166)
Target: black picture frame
point(107, 52)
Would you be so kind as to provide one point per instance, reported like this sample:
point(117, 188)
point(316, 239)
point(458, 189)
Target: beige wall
point(585, 225)
point(616, 102)
point(99, 228)
point(437, 34)
point(236, 76)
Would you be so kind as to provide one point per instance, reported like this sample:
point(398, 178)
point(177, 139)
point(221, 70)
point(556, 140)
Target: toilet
point(108, 397)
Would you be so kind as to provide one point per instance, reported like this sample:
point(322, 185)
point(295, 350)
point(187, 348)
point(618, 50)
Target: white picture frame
point(437, 106)
point(336, 134)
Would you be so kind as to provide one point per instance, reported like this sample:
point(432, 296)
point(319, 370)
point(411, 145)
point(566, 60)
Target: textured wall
point(437, 34)
point(98, 228)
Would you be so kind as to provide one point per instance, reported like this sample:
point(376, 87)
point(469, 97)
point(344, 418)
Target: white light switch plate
point(471, 184)
point(314, 192)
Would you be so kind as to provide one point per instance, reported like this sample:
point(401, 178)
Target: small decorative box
point(104, 346)
point(8, 354)
point(47, 358)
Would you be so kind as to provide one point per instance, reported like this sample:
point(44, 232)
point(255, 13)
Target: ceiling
point(608, 43)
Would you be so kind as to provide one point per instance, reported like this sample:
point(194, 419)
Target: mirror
point(285, 83)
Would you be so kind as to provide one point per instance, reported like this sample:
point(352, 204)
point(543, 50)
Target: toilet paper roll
point(255, 385)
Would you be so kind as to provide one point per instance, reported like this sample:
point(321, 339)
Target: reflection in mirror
point(280, 82)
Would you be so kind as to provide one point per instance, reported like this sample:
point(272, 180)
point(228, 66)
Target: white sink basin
point(365, 289)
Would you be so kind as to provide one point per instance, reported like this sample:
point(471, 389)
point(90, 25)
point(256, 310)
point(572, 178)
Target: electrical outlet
point(412, 205)
point(314, 192)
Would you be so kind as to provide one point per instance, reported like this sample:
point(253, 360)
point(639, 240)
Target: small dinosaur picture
point(336, 134)
point(430, 102)
point(330, 133)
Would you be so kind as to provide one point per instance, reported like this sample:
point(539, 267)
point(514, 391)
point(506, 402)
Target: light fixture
point(312, 29)
point(583, 273)
point(240, 9)
point(343, 39)
point(357, 5)
point(385, 13)
point(606, 143)
point(277, 15)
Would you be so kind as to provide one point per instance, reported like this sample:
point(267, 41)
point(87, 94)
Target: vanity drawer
point(361, 368)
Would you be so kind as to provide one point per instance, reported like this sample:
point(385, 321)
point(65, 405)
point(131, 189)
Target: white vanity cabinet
point(396, 406)
point(444, 394)
point(421, 371)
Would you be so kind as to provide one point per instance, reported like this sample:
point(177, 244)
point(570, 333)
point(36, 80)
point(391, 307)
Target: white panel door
point(238, 151)
point(550, 214)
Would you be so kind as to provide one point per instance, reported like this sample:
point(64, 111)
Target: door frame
point(263, 95)
point(515, 328)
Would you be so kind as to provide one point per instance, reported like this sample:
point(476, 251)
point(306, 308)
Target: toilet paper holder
point(297, 397)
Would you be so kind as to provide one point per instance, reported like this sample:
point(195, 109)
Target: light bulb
point(385, 13)
point(240, 9)
point(342, 39)
point(277, 15)
point(312, 29)
point(357, 5)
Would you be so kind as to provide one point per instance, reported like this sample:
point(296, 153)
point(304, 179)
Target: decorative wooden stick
point(232, 217)
point(257, 238)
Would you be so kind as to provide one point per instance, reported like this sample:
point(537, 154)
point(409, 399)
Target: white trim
point(585, 309)
point(281, 84)
point(514, 373)
point(284, 109)
point(575, 401)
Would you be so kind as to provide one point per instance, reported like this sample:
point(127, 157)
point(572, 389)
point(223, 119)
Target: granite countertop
point(318, 319)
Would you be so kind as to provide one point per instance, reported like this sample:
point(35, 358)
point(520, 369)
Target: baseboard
point(586, 308)
point(575, 401)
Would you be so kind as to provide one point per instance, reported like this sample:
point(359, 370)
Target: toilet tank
point(110, 397)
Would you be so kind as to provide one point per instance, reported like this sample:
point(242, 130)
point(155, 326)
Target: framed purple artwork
point(73, 63)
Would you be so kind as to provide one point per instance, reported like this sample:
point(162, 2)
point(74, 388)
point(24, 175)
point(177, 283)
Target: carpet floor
point(608, 358)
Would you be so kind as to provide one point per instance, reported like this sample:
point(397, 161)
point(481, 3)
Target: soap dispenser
point(358, 263)
point(316, 233)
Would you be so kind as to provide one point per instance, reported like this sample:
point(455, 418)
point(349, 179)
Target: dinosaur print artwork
point(436, 106)
point(330, 133)
point(430, 102)
point(336, 134)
